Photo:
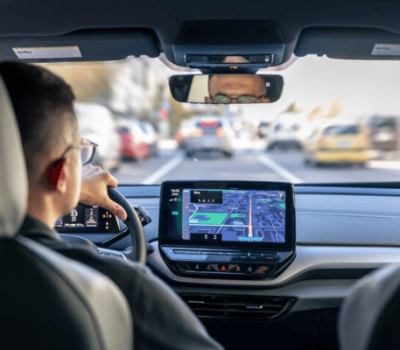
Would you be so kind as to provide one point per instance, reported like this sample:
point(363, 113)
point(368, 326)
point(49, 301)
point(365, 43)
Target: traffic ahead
point(252, 164)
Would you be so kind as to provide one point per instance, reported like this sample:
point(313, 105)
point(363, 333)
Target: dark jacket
point(161, 319)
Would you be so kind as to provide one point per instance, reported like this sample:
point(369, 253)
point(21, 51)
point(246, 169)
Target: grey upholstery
point(13, 180)
point(48, 301)
point(370, 316)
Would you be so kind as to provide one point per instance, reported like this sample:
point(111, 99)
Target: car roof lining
point(111, 31)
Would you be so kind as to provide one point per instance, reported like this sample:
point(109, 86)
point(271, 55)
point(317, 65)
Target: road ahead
point(249, 165)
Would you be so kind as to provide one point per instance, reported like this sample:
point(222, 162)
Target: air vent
point(234, 307)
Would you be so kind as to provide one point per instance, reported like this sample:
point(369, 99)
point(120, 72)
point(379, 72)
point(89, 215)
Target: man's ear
point(55, 173)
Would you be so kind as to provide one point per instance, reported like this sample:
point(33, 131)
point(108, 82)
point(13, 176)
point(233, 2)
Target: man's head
point(43, 105)
point(233, 87)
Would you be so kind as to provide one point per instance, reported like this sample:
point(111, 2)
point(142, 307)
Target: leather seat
point(46, 300)
point(370, 316)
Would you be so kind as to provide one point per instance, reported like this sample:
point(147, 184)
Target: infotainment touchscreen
point(235, 214)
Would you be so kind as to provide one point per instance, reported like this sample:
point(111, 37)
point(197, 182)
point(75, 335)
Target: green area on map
point(209, 218)
point(238, 215)
point(282, 206)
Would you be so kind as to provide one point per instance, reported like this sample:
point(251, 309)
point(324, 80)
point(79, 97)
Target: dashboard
point(86, 218)
point(342, 234)
point(336, 234)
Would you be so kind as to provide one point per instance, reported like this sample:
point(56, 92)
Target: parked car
point(150, 137)
point(263, 129)
point(98, 125)
point(384, 133)
point(287, 132)
point(183, 132)
point(133, 143)
point(209, 133)
point(337, 142)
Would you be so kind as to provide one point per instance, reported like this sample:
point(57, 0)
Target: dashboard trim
point(322, 262)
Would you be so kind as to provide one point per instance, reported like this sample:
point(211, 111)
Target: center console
point(231, 229)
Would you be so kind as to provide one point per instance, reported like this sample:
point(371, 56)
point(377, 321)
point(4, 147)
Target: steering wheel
point(139, 249)
point(138, 253)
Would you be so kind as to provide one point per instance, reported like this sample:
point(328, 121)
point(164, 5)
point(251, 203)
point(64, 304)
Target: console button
point(193, 252)
point(223, 268)
point(196, 266)
point(182, 267)
point(235, 268)
point(269, 256)
point(207, 252)
point(261, 270)
point(210, 267)
point(180, 251)
point(250, 269)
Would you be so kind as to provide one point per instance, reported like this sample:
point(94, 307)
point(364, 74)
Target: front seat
point(370, 316)
point(46, 300)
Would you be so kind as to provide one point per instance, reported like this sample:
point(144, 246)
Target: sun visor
point(82, 45)
point(349, 43)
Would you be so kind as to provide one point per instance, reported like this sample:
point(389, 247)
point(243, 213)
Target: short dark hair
point(43, 105)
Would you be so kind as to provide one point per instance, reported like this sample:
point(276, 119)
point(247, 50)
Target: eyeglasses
point(87, 149)
point(240, 99)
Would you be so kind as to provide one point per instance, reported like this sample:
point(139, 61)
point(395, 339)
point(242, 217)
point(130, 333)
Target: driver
point(53, 149)
point(233, 88)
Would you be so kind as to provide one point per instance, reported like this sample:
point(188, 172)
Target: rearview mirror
point(226, 88)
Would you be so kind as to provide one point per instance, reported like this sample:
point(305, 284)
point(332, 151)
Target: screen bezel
point(290, 232)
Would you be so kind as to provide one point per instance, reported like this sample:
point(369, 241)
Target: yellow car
point(337, 143)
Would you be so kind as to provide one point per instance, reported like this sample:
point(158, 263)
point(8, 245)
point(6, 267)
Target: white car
point(98, 125)
point(209, 133)
point(288, 131)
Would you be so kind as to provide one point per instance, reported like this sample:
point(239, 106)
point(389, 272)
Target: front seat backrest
point(370, 316)
point(46, 300)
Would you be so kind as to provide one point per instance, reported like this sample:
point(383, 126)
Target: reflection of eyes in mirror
point(237, 89)
point(226, 88)
point(219, 98)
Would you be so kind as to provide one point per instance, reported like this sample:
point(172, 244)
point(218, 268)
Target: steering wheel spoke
point(134, 228)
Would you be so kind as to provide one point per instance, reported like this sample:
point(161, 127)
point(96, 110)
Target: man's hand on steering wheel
point(95, 183)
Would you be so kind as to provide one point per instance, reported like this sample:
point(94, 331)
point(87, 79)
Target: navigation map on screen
point(233, 215)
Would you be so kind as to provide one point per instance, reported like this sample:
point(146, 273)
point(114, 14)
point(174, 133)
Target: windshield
point(337, 121)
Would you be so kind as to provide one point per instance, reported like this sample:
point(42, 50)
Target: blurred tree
point(176, 115)
point(291, 108)
point(159, 96)
point(89, 81)
point(315, 113)
point(334, 109)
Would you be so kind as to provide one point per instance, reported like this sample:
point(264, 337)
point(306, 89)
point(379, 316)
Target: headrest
point(13, 177)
